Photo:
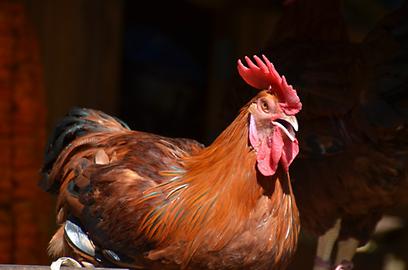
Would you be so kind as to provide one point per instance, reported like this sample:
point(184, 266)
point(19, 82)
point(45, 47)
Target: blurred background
point(167, 67)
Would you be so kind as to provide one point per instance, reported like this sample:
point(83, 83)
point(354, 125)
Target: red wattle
point(272, 149)
point(290, 151)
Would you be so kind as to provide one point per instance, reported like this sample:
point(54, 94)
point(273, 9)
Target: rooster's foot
point(67, 261)
point(319, 263)
point(345, 265)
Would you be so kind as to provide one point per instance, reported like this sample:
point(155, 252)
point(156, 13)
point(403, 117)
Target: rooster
point(353, 161)
point(133, 199)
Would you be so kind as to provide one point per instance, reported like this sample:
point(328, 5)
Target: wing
point(101, 175)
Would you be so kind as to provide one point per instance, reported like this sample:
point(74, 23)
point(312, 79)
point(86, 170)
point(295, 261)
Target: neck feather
point(219, 186)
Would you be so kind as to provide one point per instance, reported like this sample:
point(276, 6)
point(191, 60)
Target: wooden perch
point(45, 267)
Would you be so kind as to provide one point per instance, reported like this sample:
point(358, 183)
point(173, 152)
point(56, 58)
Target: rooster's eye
point(264, 106)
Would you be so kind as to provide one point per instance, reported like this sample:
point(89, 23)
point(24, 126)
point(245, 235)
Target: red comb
point(264, 76)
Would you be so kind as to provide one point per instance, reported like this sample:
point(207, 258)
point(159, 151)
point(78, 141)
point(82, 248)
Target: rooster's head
point(272, 121)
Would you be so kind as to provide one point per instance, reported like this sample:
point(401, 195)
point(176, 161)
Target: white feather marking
point(101, 158)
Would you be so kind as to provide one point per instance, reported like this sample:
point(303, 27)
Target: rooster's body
point(140, 200)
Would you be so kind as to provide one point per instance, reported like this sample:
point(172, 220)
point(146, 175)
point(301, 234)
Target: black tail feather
point(74, 125)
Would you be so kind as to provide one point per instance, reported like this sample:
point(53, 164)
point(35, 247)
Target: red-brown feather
point(163, 202)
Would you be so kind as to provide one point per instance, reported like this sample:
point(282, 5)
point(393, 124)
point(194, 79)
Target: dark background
point(169, 67)
point(164, 66)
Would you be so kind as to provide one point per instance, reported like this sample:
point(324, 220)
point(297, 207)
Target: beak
point(292, 121)
point(288, 124)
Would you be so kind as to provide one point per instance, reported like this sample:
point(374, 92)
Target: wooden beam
point(44, 267)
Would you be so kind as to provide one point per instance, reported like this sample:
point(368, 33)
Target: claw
point(345, 265)
point(64, 261)
point(70, 262)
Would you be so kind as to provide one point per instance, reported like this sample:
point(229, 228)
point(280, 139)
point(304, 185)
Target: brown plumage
point(354, 138)
point(146, 201)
